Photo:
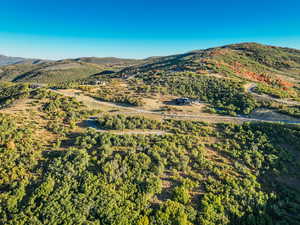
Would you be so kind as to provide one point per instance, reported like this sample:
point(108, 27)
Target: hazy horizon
point(55, 57)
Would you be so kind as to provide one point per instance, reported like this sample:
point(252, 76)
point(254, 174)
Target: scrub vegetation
point(94, 146)
point(197, 174)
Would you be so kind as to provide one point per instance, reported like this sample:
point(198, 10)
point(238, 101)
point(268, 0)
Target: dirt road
point(249, 87)
point(93, 103)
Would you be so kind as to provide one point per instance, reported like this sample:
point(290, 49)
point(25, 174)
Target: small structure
point(35, 86)
point(98, 82)
point(183, 101)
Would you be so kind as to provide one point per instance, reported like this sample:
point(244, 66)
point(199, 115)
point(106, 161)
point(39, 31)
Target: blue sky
point(140, 28)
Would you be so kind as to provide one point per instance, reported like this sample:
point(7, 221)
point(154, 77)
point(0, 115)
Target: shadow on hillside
point(89, 123)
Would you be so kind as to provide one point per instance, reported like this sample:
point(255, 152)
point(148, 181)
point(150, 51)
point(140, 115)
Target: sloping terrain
point(10, 72)
point(104, 144)
point(220, 77)
point(62, 70)
point(136, 170)
point(50, 72)
point(108, 61)
point(59, 72)
point(251, 56)
point(7, 60)
point(274, 67)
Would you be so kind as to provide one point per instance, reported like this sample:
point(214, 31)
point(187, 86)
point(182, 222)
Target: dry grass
point(26, 113)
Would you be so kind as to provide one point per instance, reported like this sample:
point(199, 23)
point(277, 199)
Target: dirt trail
point(95, 104)
point(249, 87)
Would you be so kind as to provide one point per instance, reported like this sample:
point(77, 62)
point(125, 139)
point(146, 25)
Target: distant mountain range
point(19, 69)
point(251, 61)
point(107, 60)
point(7, 60)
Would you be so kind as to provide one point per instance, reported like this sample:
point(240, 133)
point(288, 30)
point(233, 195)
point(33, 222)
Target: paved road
point(94, 103)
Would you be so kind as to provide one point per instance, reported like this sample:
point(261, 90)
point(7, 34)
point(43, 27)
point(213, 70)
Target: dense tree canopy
point(183, 177)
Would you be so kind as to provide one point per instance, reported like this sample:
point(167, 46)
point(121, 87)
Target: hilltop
point(246, 60)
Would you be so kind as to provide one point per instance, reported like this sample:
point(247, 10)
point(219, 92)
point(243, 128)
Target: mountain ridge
point(248, 60)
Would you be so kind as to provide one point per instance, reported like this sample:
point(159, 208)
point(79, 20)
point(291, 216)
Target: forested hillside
point(197, 174)
point(275, 69)
point(251, 56)
point(210, 137)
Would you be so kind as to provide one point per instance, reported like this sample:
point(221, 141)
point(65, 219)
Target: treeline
point(120, 122)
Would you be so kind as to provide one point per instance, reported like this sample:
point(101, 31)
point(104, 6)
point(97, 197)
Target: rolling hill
point(246, 60)
point(7, 60)
point(23, 70)
point(108, 61)
point(274, 70)
point(269, 65)
point(48, 72)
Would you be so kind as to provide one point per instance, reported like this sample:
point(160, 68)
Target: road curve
point(87, 100)
point(249, 87)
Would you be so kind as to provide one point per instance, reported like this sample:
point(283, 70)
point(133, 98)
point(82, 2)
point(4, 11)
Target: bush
point(180, 194)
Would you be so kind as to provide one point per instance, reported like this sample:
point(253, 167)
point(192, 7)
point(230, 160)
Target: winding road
point(96, 104)
point(249, 87)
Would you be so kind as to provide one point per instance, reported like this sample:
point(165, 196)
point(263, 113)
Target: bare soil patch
point(268, 114)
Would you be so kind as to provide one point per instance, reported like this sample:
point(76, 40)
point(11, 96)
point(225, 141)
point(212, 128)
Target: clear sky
point(57, 29)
